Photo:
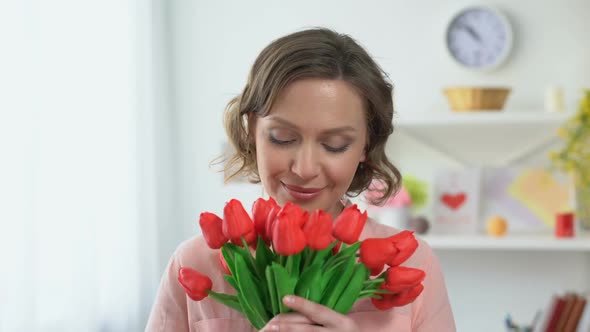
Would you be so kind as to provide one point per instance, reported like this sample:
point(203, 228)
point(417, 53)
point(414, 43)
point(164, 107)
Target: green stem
point(308, 258)
point(289, 265)
point(374, 281)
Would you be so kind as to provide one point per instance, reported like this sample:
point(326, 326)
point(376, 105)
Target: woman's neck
point(337, 209)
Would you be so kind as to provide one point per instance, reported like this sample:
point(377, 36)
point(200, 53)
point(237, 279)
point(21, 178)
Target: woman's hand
point(309, 317)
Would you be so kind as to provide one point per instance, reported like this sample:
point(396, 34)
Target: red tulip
point(223, 263)
point(260, 211)
point(406, 244)
point(377, 270)
point(349, 224)
point(195, 284)
point(336, 248)
point(318, 230)
point(287, 236)
point(375, 252)
point(237, 222)
point(384, 303)
point(402, 298)
point(296, 211)
point(401, 278)
point(251, 238)
point(270, 220)
point(407, 296)
point(211, 226)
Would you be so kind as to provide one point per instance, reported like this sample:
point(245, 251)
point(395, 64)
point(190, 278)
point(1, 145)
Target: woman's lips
point(302, 194)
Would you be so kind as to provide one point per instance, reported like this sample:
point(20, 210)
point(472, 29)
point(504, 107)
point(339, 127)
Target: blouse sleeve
point(433, 309)
point(169, 312)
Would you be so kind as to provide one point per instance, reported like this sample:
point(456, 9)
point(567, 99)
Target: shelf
point(485, 118)
point(485, 137)
point(544, 242)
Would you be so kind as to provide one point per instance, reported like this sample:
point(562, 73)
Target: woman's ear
point(364, 156)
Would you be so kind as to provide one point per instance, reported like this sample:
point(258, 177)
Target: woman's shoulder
point(195, 253)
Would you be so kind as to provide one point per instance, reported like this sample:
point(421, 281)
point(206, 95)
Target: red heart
point(453, 201)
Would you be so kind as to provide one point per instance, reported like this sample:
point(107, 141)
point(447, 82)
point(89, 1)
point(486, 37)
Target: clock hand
point(474, 33)
point(471, 32)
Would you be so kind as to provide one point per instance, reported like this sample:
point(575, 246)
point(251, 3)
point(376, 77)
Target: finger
point(292, 327)
point(290, 318)
point(314, 311)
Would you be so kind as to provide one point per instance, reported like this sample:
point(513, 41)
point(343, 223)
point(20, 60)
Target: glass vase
point(583, 207)
point(581, 202)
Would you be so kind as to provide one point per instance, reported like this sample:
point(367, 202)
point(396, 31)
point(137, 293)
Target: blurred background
point(111, 111)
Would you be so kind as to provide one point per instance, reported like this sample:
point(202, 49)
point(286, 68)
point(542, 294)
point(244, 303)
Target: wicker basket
point(464, 99)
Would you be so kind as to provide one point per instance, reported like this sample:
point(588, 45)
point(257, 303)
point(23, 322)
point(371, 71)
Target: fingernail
point(273, 327)
point(289, 299)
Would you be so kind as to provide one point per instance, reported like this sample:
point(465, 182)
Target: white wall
point(213, 44)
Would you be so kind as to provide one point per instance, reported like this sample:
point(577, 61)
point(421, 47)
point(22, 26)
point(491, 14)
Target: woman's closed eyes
point(328, 147)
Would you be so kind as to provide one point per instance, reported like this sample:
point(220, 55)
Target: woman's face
point(310, 144)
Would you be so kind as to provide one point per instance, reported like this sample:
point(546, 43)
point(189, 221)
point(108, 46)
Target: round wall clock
point(479, 38)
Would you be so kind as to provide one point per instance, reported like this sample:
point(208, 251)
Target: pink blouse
point(174, 311)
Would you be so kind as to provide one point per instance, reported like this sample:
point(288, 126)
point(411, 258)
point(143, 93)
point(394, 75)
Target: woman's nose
point(305, 163)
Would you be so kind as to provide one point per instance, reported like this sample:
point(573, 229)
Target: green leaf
point(229, 254)
point(249, 293)
point(306, 256)
point(352, 290)
point(350, 250)
point(284, 283)
point(331, 276)
point(251, 261)
point(345, 252)
point(333, 271)
point(248, 259)
point(254, 318)
point(229, 300)
point(272, 290)
point(320, 256)
point(292, 265)
point(264, 256)
point(231, 281)
point(262, 260)
point(309, 285)
point(333, 293)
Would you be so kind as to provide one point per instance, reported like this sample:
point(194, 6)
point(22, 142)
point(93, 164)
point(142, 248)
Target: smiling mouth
point(301, 193)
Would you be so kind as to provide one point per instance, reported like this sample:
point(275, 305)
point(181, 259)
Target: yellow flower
point(574, 157)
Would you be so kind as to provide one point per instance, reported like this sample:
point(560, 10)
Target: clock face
point(479, 38)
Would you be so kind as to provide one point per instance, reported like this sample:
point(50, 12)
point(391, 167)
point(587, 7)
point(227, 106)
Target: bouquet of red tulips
point(307, 255)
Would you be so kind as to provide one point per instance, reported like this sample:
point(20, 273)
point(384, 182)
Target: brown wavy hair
point(315, 53)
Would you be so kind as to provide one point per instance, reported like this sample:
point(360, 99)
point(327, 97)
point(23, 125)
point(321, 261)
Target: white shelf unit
point(474, 138)
point(489, 277)
point(528, 242)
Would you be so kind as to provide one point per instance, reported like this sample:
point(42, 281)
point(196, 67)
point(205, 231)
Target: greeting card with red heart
point(456, 204)
point(453, 201)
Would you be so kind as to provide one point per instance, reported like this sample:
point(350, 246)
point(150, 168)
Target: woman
point(311, 126)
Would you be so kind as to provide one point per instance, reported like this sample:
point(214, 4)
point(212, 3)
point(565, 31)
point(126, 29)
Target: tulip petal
point(211, 226)
point(406, 243)
point(288, 237)
point(375, 252)
point(406, 297)
point(401, 278)
point(349, 224)
point(236, 221)
point(195, 284)
point(318, 230)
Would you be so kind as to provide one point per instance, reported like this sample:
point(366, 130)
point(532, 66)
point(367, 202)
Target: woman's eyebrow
point(330, 131)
